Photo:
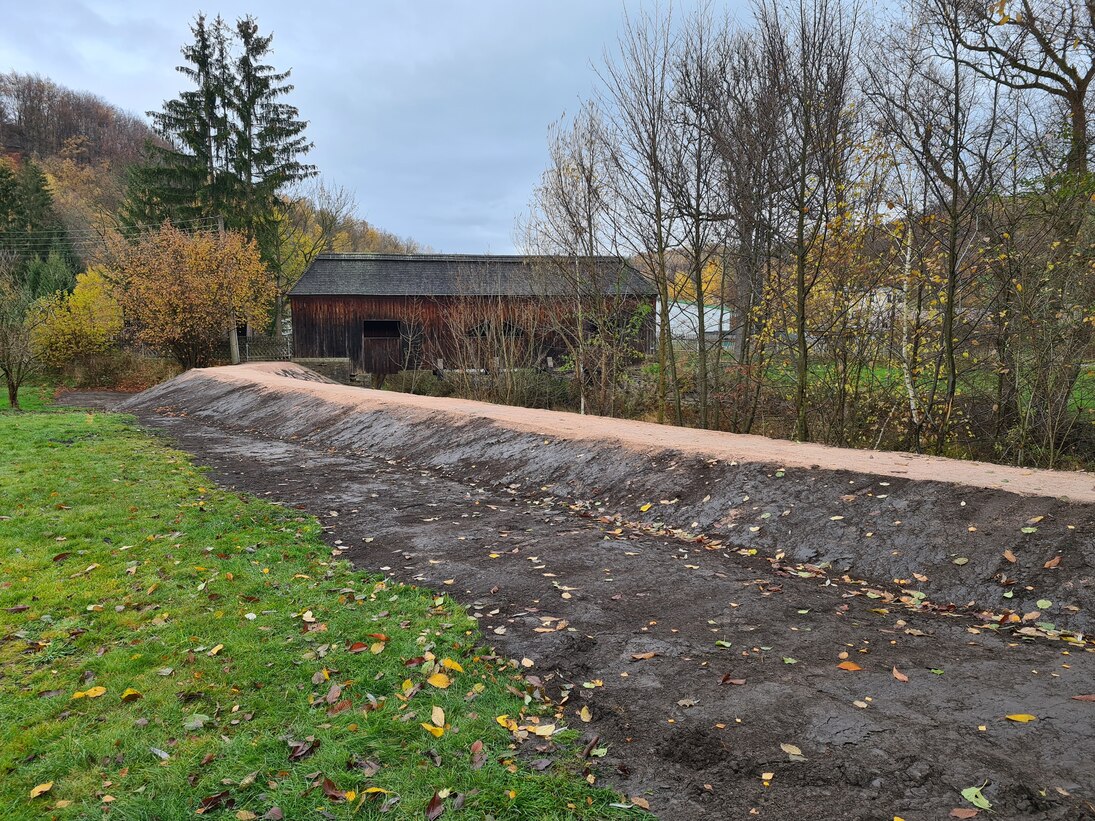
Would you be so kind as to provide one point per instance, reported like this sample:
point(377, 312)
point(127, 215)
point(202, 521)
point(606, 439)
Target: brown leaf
point(333, 694)
point(478, 755)
point(368, 767)
point(435, 808)
point(729, 679)
point(340, 707)
point(850, 666)
point(274, 814)
point(1009, 556)
point(642, 656)
point(1090, 697)
point(357, 647)
point(302, 749)
point(964, 812)
point(212, 802)
point(897, 674)
point(331, 791)
point(641, 803)
point(1052, 563)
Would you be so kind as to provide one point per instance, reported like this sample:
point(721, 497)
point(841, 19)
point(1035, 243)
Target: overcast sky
point(434, 113)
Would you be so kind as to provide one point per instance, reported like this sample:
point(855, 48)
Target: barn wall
point(331, 326)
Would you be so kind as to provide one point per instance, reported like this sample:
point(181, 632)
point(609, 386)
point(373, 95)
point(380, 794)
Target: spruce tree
point(187, 177)
point(232, 143)
point(268, 134)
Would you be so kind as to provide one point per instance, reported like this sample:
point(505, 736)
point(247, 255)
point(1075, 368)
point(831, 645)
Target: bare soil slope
point(644, 576)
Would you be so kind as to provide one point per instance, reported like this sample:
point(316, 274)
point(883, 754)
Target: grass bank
point(167, 649)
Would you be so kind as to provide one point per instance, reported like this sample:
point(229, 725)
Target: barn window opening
point(381, 329)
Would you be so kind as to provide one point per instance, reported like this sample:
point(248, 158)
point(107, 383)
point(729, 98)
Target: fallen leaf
point(439, 680)
point(975, 797)
point(964, 812)
point(131, 695)
point(1021, 718)
point(1052, 563)
point(584, 714)
point(728, 679)
point(331, 791)
point(897, 674)
point(478, 755)
point(1009, 556)
point(641, 803)
point(435, 808)
point(1090, 697)
point(646, 507)
point(41, 789)
point(792, 750)
point(449, 664)
point(212, 802)
point(850, 666)
point(642, 657)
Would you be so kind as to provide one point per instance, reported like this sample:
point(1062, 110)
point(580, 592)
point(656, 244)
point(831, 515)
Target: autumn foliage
point(181, 292)
point(84, 322)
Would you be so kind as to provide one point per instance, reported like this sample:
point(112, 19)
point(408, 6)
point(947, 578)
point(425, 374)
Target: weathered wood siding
point(334, 326)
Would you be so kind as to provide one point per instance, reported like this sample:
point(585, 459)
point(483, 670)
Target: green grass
point(32, 397)
point(122, 568)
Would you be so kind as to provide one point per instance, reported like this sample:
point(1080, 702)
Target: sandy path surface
point(1076, 486)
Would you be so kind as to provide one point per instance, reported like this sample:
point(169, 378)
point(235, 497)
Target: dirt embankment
point(977, 536)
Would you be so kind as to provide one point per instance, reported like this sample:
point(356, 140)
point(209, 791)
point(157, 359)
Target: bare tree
point(1037, 45)
point(638, 81)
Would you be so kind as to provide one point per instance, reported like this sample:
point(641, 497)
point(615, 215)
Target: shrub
point(77, 325)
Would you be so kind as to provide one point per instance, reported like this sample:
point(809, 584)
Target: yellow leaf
point(543, 730)
point(41, 789)
point(350, 795)
point(216, 649)
point(439, 680)
point(437, 716)
point(585, 714)
point(1022, 718)
point(646, 507)
point(376, 647)
point(374, 791)
point(131, 695)
point(437, 732)
point(449, 664)
point(95, 692)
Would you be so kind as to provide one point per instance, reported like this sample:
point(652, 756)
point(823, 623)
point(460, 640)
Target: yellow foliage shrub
point(82, 323)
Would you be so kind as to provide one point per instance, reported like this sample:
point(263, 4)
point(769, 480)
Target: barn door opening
point(381, 348)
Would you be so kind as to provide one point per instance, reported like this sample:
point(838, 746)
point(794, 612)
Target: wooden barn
point(391, 312)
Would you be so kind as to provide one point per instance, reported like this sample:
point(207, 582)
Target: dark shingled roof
point(459, 275)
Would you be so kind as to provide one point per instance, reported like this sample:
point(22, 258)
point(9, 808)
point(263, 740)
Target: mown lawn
point(168, 649)
point(32, 397)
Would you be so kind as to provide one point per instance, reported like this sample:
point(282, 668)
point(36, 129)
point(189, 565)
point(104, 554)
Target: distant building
point(392, 312)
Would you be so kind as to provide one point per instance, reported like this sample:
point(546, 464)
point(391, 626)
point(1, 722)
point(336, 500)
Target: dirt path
point(588, 603)
point(1076, 486)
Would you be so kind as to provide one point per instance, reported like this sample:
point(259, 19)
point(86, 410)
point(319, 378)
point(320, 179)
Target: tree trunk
point(13, 392)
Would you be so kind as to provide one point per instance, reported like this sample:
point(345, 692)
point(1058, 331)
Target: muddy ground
point(527, 556)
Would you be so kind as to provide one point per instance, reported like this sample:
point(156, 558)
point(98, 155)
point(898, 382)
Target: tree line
point(894, 213)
